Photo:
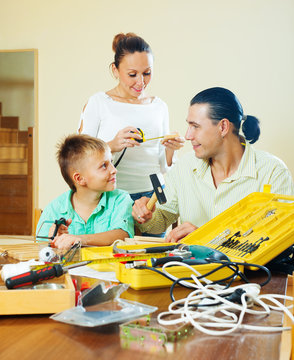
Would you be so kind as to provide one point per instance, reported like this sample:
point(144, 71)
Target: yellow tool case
point(255, 230)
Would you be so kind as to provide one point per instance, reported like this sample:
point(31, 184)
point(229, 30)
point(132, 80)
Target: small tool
point(69, 254)
point(189, 254)
point(220, 237)
point(141, 134)
point(158, 192)
point(148, 250)
point(33, 277)
point(46, 272)
point(267, 214)
point(253, 247)
point(164, 137)
point(230, 240)
point(57, 223)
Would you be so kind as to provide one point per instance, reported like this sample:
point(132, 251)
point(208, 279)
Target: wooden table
point(38, 337)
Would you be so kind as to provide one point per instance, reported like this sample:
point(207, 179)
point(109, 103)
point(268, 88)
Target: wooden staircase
point(16, 174)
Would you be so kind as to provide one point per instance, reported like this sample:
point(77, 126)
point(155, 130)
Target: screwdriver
point(32, 277)
point(57, 225)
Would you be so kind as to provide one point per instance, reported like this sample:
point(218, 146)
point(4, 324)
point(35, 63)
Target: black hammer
point(158, 192)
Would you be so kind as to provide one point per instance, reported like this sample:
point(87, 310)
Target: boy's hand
point(180, 232)
point(63, 229)
point(65, 241)
point(140, 211)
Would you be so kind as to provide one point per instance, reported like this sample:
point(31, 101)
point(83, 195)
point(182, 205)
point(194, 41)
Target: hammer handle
point(151, 202)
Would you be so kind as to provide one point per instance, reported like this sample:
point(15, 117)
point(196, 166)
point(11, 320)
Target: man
point(223, 169)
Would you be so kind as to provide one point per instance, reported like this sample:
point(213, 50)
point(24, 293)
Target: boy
point(95, 213)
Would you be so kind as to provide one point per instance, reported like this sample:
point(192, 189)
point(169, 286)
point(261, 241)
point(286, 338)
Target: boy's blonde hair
point(75, 148)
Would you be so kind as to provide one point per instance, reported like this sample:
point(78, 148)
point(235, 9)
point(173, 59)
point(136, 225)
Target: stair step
point(13, 167)
point(13, 136)
point(9, 122)
point(13, 152)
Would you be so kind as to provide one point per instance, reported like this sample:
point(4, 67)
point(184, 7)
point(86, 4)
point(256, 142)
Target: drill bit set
point(256, 229)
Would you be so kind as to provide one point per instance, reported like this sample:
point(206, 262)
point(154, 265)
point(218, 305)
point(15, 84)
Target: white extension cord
point(226, 316)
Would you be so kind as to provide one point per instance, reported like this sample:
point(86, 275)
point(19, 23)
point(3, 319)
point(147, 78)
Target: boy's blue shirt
point(114, 211)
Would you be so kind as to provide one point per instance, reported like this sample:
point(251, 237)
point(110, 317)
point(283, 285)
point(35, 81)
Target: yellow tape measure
point(106, 260)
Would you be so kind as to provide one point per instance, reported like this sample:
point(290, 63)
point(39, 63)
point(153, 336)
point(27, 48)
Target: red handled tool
point(34, 276)
point(56, 270)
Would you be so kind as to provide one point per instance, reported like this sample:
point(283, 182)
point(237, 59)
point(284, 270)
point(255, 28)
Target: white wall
point(244, 45)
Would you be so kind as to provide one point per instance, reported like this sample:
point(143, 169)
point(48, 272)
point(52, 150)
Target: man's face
point(205, 136)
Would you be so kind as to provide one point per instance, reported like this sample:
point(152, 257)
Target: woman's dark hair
point(129, 43)
point(223, 104)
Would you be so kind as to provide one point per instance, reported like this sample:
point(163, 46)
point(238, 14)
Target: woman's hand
point(140, 211)
point(125, 138)
point(180, 232)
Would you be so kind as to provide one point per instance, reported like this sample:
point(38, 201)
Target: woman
point(116, 115)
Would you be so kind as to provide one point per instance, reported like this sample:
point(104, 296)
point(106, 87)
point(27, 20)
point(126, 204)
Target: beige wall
point(244, 45)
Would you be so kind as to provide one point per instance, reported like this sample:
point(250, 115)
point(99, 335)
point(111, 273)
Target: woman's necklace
point(115, 94)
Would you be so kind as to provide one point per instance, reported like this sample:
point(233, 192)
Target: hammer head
point(158, 189)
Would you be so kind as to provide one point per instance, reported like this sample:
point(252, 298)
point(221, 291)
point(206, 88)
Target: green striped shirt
point(192, 195)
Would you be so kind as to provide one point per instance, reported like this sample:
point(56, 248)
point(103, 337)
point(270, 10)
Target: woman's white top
point(103, 117)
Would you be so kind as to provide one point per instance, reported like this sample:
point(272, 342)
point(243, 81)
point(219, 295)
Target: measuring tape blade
point(106, 260)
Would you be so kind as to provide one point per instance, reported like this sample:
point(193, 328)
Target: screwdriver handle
point(158, 249)
point(32, 277)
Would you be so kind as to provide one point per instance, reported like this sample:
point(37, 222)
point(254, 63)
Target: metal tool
point(45, 272)
point(158, 192)
point(148, 250)
point(165, 137)
point(220, 237)
point(267, 214)
point(57, 223)
point(254, 246)
point(230, 240)
point(69, 255)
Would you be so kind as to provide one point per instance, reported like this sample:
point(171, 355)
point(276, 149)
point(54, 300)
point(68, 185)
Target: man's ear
point(224, 126)
point(78, 179)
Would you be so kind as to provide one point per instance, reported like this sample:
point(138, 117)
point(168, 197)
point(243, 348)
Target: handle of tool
point(158, 249)
point(151, 202)
point(32, 277)
point(161, 261)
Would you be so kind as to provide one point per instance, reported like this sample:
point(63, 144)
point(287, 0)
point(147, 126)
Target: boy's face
point(98, 172)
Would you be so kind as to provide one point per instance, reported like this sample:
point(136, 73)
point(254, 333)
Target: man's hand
point(180, 232)
point(140, 212)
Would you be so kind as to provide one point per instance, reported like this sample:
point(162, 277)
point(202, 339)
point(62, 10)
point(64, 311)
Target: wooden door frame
point(33, 168)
